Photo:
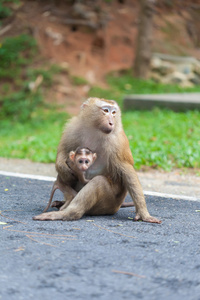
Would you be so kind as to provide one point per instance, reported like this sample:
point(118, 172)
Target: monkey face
point(83, 163)
point(107, 118)
point(102, 114)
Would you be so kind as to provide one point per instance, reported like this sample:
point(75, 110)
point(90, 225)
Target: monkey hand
point(148, 218)
point(57, 204)
point(53, 215)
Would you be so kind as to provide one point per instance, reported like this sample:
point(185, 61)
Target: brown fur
point(73, 176)
point(112, 174)
point(79, 169)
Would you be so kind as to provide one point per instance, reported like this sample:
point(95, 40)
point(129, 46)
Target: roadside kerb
point(176, 102)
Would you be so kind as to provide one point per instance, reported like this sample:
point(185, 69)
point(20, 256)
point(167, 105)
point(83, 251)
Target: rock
point(84, 12)
point(162, 67)
point(56, 36)
point(197, 68)
point(186, 84)
point(33, 85)
point(169, 69)
point(194, 79)
point(185, 68)
point(155, 77)
point(64, 65)
point(85, 89)
point(90, 76)
point(177, 77)
point(64, 90)
point(155, 63)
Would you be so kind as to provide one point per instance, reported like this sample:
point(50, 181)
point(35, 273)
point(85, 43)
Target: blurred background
point(55, 54)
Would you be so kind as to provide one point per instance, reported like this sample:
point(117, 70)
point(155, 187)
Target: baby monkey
point(79, 161)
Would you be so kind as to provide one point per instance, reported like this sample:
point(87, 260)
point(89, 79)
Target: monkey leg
point(57, 204)
point(127, 204)
point(69, 195)
point(58, 184)
point(68, 198)
point(98, 197)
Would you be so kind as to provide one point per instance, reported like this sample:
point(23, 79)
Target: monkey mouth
point(107, 130)
point(83, 169)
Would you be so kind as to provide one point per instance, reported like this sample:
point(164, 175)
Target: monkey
point(99, 126)
point(79, 161)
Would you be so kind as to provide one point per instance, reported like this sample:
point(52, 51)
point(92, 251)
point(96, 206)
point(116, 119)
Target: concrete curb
point(176, 102)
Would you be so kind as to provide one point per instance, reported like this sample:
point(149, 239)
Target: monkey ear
point(84, 105)
point(72, 155)
point(94, 156)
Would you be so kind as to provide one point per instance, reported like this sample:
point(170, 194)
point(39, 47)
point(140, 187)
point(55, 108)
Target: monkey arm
point(82, 179)
point(67, 144)
point(134, 188)
point(62, 168)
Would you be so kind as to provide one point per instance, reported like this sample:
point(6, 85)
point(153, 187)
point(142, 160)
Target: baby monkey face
point(84, 162)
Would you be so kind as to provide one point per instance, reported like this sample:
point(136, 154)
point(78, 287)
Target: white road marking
point(28, 176)
point(48, 178)
point(173, 196)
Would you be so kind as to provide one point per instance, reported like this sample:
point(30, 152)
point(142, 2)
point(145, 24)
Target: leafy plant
point(19, 94)
point(4, 10)
point(19, 105)
point(16, 52)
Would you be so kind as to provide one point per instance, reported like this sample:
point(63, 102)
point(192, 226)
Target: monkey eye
point(87, 161)
point(80, 161)
point(106, 110)
point(114, 112)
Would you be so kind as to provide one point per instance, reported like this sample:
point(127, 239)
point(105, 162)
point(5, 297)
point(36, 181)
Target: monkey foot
point(127, 204)
point(149, 219)
point(54, 215)
point(57, 204)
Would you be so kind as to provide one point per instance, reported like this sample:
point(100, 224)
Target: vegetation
point(22, 89)
point(36, 139)
point(159, 138)
point(123, 83)
point(4, 10)
point(29, 128)
point(76, 80)
point(164, 139)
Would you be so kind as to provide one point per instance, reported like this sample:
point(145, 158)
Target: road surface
point(101, 257)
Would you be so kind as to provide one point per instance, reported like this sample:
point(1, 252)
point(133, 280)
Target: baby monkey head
point(83, 158)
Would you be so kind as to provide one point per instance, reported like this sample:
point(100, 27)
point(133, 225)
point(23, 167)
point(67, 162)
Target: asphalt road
point(100, 257)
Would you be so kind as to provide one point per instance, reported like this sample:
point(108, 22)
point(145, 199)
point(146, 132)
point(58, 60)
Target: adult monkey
point(99, 127)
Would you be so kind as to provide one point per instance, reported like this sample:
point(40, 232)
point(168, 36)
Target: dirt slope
point(96, 39)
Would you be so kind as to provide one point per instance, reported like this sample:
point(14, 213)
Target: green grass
point(164, 139)
point(29, 128)
point(36, 140)
point(77, 80)
point(159, 139)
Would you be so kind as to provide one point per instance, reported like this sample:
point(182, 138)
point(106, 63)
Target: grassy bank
point(29, 128)
point(159, 139)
